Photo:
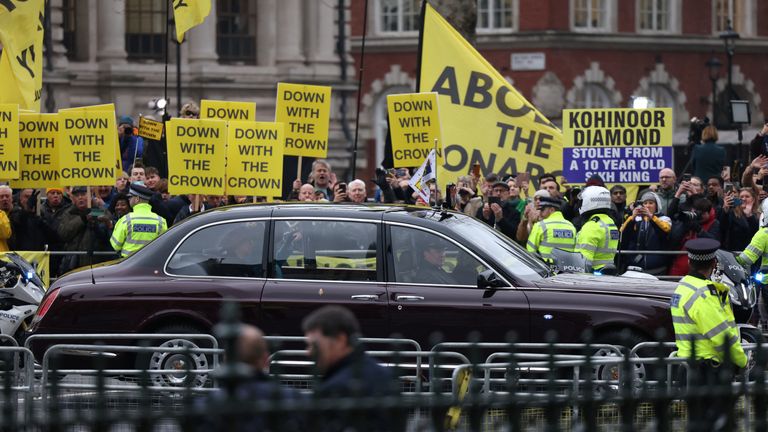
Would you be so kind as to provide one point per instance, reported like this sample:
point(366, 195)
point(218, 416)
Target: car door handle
point(408, 298)
point(365, 297)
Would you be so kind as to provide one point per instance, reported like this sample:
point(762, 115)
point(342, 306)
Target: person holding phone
point(646, 229)
point(499, 212)
point(759, 145)
point(739, 220)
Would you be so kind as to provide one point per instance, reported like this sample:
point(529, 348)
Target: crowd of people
point(555, 216)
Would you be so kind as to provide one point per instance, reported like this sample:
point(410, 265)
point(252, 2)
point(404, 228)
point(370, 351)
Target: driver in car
point(430, 266)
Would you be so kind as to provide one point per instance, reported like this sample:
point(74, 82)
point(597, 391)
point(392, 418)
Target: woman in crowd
point(120, 206)
point(647, 229)
point(467, 200)
point(739, 220)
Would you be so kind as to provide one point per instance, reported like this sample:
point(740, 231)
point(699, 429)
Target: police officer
point(758, 247)
point(598, 239)
point(553, 231)
point(702, 315)
point(134, 230)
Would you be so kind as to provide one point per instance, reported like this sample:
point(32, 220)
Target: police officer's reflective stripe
point(531, 244)
point(682, 319)
point(689, 337)
point(586, 246)
point(716, 330)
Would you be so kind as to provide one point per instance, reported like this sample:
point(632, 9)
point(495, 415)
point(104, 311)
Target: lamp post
point(729, 37)
point(714, 64)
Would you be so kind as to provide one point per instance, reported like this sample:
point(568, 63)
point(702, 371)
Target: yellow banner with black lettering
point(21, 61)
point(189, 13)
point(484, 119)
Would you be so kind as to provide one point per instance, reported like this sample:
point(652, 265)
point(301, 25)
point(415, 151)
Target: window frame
point(154, 54)
point(594, 85)
point(610, 18)
point(675, 14)
point(251, 16)
point(390, 257)
point(264, 258)
point(379, 249)
point(746, 25)
point(378, 17)
point(514, 7)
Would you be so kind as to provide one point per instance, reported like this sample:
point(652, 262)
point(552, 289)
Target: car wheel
point(612, 372)
point(191, 362)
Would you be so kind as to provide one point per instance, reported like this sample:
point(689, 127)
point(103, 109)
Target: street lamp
point(714, 64)
point(729, 37)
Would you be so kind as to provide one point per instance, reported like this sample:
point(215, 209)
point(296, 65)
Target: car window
point(325, 250)
point(231, 249)
point(422, 257)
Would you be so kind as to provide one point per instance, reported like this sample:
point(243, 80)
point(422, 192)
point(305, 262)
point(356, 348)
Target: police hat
point(546, 201)
point(140, 191)
point(702, 249)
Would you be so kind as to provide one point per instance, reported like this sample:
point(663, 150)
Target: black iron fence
point(189, 382)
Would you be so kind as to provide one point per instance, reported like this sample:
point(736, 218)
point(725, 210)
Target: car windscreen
point(506, 252)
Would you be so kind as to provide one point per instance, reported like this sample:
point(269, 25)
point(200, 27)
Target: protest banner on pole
point(196, 156)
point(255, 158)
point(306, 112)
point(622, 145)
point(87, 148)
point(225, 110)
point(111, 108)
point(39, 152)
point(9, 141)
point(150, 129)
point(414, 126)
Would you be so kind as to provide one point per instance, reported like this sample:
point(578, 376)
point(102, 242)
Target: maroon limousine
point(406, 270)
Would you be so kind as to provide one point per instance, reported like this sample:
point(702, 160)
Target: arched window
point(236, 31)
point(661, 96)
point(592, 95)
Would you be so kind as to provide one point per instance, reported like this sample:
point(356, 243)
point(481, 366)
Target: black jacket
point(359, 376)
point(509, 221)
point(156, 155)
point(30, 232)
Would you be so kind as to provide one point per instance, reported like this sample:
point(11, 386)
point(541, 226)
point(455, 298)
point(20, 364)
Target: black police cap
point(140, 191)
point(702, 249)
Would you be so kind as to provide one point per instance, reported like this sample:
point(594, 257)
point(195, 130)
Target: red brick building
point(581, 53)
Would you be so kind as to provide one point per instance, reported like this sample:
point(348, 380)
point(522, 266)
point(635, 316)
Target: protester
point(665, 190)
point(321, 177)
point(102, 198)
point(550, 185)
point(698, 222)
point(332, 334)
point(499, 212)
point(306, 193)
point(6, 205)
point(619, 200)
point(121, 184)
point(131, 145)
point(29, 232)
point(81, 230)
point(356, 191)
point(708, 158)
point(714, 192)
point(120, 207)
point(646, 229)
point(152, 178)
point(467, 200)
point(137, 173)
point(759, 144)
point(739, 219)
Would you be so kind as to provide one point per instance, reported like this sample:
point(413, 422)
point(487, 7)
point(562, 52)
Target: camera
point(696, 128)
point(686, 177)
point(637, 203)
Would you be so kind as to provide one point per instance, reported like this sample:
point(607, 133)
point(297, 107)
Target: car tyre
point(621, 338)
point(160, 360)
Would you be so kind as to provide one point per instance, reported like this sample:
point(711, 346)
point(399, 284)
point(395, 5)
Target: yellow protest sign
point(150, 128)
point(414, 126)
point(21, 60)
point(484, 119)
point(621, 145)
point(39, 152)
point(104, 107)
point(306, 112)
point(87, 148)
point(225, 110)
point(255, 158)
point(196, 156)
point(9, 141)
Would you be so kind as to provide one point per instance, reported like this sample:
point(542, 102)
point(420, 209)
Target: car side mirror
point(489, 279)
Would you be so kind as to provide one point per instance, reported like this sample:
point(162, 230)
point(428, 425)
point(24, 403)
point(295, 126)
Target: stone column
point(111, 31)
point(321, 29)
point(266, 32)
point(289, 41)
point(202, 40)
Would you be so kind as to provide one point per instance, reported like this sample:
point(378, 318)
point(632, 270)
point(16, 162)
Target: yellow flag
point(21, 62)
point(484, 119)
point(189, 13)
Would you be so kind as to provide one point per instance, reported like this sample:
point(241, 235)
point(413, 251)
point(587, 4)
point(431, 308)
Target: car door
point(321, 261)
point(432, 287)
point(219, 261)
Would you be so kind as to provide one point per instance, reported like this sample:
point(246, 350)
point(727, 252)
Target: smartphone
point(476, 169)
point(522, 179)
point(736, 202)
point(342, 188)
point(391, 172)
point(450, 191)
point(96, 212)
point(494, 200)
point(728, 188)
point(686, 177)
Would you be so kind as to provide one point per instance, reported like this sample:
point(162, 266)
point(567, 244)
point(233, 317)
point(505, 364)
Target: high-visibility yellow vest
point(553, 232)
point(598, 241)
point(134, 230)
point(758, 248)
point(704, 323)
